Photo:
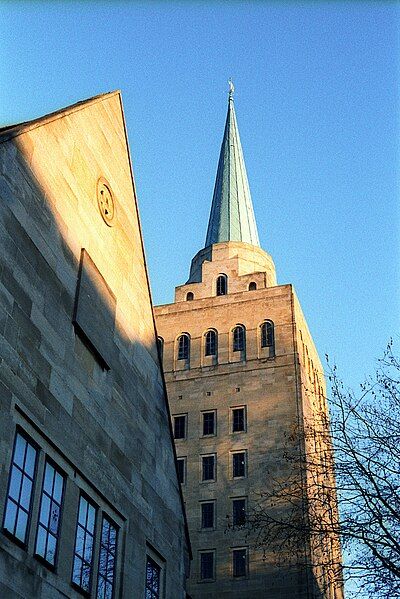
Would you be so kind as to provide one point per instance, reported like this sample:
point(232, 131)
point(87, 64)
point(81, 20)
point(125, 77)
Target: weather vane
point(231, 88)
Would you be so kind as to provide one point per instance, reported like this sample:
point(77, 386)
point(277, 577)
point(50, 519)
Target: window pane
point(19, 452)
point(238, 464)
point(76, 574)
point(45, 510)
point(106, 571)
point(48, 479)
point(153, 572)
point(207, 515)
point(30, 460)
point(239, 512)
point(84, 544)
point(22, 523)
point(54, 517)
point(91, 518)
point(179, 427)
point(208, 467)
point(181, 470)
point(209, 423)
point(238, 424)
point(51, 549)
point(41, 541)
point(26, 492)
point(15, 483)
point(11, 515)
point(83, 506)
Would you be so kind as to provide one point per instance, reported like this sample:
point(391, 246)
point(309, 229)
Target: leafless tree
point(298, 514)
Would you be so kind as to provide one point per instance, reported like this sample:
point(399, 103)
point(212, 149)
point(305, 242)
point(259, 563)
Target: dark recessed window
point(189, 296)
point(208, 423)
point(239, 338)
point(238, 512)
point(252, 286)
point(268, 337)
point(48, 531)
point(107, 560)
point(239, 558)
point(208, 467)
point(181, 463)
point(207, 515)
point(222, 285)
point(238, 420)
point(239, 464)
point(180, 427)
point(153, 579)
point(160, 345)
point(207, 565)
point(84, 541)
point(211, 343)
point(183, 347)
point(19, 499)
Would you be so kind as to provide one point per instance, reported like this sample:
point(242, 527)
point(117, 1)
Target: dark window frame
point(28, 440)
point(239, 509)
point(91, 503)
point(239, 338)
point(203, 566)
point(57, 470)
point(214, 421)
point(210, 343)
point(204, 516)
point(241, 465)
point(221, 286)
point(180, 418)
point(237, 554)
point(205, 468)
point(106, 577)
point(234, 421)
point(183, 347)
point(181, 460)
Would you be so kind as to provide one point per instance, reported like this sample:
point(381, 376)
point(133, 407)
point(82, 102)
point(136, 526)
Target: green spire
point(232, 215)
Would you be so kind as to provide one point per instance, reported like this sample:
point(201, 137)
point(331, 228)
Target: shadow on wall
point(71, 367)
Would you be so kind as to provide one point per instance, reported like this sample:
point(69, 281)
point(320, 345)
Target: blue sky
point(317, 103)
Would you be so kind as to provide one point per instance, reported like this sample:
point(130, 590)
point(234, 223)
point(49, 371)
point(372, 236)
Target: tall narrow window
point(181, 462)
point(208, 423)
point(238, 420)
point(107, 560)
point(48, 531)
point(84, 540)
point(160, 344)
point(207, 565)
point(207, 514)
point(239, 565)
point(208, 467)
point(183, 347)
point(238, 512)
point(153, 579)
point(180, 427)
point(222, 285)
point(268, 337)
point(19, 499)
point(239, 338)
point(211, 343)
point(239, 464)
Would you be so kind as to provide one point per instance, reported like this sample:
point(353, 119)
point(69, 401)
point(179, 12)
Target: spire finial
point(231, 89)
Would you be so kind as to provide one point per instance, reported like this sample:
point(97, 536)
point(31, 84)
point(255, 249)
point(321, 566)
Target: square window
point(208, 467)
point(207, 565)
point(238, 512)
point(20, 486)
point(209, 423)
point(181, 463)
point(238, 420)
point(180, 426)
point(239, 562)
point(239, 464)
point(207, 514)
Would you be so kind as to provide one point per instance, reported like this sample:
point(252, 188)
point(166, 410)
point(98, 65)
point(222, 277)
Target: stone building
point(90, 502)
point(243, 376)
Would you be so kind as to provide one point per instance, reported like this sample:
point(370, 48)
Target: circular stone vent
point(105, 201)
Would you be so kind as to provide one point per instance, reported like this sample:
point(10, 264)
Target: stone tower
point(242, 375)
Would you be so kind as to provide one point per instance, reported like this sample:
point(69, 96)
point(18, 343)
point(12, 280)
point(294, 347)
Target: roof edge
point(10, 131)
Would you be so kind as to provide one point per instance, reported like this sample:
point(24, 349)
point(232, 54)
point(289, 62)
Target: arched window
point(189, 296)
point(252, 286)
point(222, 285)
point(183, 347)
point(160, 344)
point(239, 338)
point(268, 336)
point(210, 343)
